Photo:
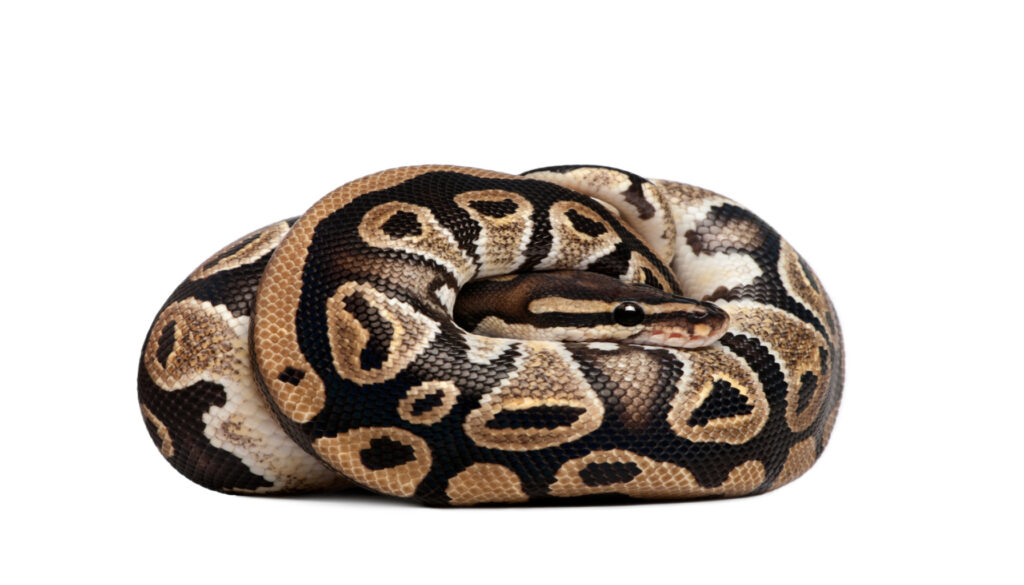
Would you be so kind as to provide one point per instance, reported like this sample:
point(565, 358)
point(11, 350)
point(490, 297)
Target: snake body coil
point(321, 351)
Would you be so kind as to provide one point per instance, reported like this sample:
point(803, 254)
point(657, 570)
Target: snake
point(458, 336)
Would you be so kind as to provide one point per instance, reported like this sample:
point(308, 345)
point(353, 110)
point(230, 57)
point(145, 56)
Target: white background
point(884, 140)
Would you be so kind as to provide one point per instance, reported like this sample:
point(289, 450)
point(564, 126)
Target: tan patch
point(346, 453)
point(701, 371)
point(566, 305)
point(652, 479)
point(682, 195)
point(795, 345)
point(275, 338)
point(209, 343)
point(504, 278)
point(244, 250)
point(612, 187)
point(445, 390)
point(485, 482)
point(805, 286)
point(546, 377)
point(503, 240)
point(800, 458)
point(412, 332)
point(166, 444)
point(572, 249)
point(432, 240)
point(635, 374)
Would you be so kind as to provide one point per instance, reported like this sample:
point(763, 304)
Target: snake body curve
point(319, 352)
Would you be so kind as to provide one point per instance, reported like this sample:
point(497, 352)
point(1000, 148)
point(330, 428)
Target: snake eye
point(628, 314)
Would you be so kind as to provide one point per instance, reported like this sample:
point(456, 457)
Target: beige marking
point(485, 482)
point(570, 249)
point(434, 240)
point(584, 306)
point(802, 286)
point(701, 369)
point(446, 296)
point(209, 344)
point(448, 392)
point(344, 453)
point(504, 277)
point(656, 480)
point(566, 305)
point(483, 350)
point(263, 242)
point(545, 375)
point(412, 332)
point(166, 444)
point(503, 240)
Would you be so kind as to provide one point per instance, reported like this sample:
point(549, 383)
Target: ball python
point(673, 345)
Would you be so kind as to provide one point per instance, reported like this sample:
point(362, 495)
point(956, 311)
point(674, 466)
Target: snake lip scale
point(460, 336)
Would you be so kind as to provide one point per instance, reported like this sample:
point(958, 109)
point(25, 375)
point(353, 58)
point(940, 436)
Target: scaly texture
point(361, 375)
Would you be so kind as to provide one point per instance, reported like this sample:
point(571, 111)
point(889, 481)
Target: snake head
point(585, 306)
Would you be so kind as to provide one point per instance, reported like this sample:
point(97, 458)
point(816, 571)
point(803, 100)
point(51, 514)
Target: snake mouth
point(676, 338)
point(702, 327)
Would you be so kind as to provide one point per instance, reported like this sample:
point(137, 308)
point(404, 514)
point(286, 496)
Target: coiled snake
point(321, 351)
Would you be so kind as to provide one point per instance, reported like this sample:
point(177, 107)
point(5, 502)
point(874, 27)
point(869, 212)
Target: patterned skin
point(367, 377)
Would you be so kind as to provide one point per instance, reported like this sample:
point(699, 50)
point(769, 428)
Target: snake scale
point(675, 345)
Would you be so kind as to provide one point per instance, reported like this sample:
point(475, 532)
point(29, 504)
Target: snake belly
point(320, 352)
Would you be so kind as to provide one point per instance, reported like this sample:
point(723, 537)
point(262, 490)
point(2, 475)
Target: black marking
point(808, 383)
point(538, 417)
point(585, 225)
point(381, 331)
point(597, 474)
point(385, 453)
point(234, 249)
point(650, 279)
point(402, 224)
point(716, 234)
point(291, 376)
point(724, 401)
point(428, 403)
point(634, 195)
point(495, 209)
point(165, 343)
